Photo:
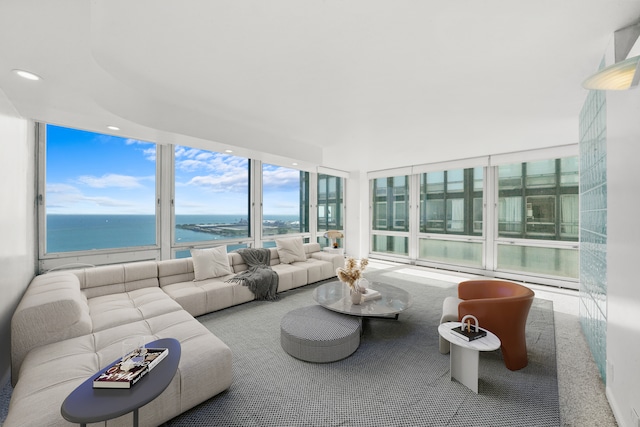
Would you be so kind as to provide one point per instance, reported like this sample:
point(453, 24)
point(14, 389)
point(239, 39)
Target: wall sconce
point(620, 76)
point(623, 74)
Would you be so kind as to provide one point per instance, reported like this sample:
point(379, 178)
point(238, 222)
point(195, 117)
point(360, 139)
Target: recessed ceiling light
point(294, 164)
point(113, 127)
point(27, 75)
point(228, 151)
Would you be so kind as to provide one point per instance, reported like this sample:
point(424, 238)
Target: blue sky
point(89, 173)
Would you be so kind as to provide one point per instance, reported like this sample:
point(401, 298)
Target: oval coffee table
point(88, 405)
point(335, 296)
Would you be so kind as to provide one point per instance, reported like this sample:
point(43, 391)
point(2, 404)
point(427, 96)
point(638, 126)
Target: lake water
point(86, 232)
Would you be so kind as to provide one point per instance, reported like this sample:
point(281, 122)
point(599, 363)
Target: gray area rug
point(397, 377)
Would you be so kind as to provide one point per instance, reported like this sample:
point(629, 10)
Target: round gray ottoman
point(315, 334)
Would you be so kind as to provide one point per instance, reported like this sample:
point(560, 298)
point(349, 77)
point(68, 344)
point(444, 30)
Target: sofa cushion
point(117, 309)
point(203, 296)
point(210, 263)
point(290, 250)
point(52, 309)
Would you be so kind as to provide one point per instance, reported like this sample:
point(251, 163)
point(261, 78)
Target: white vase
point(356, 297)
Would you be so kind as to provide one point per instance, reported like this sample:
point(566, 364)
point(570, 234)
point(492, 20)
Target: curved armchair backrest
point(501, 307)
point(481, 289)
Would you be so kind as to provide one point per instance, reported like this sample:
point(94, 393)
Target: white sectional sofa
point(69, 324)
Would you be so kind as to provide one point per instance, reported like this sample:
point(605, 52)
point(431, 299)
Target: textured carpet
point(397, 377)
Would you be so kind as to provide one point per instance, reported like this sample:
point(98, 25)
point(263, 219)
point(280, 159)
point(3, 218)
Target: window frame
point(52, 260)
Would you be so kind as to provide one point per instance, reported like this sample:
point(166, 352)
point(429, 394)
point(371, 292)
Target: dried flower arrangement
point(352, 272)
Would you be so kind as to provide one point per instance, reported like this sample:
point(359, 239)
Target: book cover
point(371, 294)
point(154, 356)
point(125, 373)
point(469, 335)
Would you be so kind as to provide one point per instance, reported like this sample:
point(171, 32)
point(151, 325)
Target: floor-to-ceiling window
point(97, 191)
point(211, 199)
point(451, 206)
point(330, 206)
point(517, 219)
point(108, 199)
point(285, 202)
point(390, 215)
point(538, 205)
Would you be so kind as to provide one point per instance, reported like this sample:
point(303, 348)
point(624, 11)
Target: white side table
point(465, 354)
point(339, 251)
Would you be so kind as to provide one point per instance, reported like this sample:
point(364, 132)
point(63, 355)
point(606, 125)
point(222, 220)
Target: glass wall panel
point(559, 262)
point(100, 191)
point(452, 252)
point(593, 225)
point(211, 196)
point(285, 201)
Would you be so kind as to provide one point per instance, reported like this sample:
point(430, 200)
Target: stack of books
point(128, 371)
point(370, 294)
point(469, 333)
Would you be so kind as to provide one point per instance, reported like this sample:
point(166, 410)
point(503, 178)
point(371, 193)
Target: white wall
point(357, 215)
point(17, 221)
point(623, 253)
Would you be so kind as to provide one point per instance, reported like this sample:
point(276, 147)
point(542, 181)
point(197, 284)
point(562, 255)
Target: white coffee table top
point(489, 343)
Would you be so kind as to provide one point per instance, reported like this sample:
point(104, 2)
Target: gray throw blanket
point(259, 277)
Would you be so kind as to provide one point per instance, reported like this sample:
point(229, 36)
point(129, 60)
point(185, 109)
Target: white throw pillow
point(290, 250)
point(209, 263)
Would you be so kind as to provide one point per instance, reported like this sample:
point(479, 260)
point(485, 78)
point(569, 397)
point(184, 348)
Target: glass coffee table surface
point(335, 296)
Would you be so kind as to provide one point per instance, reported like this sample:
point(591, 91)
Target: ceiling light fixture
point(113, 127)
point(623, 74)
point(27, 75)
point(228, 151)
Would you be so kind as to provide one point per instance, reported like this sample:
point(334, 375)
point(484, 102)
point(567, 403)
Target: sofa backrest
point(237, 263)
point(181, 270)
point(118, 278)
point(175, 270)
point(310, 248)
point(52, 309)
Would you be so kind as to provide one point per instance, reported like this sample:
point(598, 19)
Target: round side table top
point(489, 343)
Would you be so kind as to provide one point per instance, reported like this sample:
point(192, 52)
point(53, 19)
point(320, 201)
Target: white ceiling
point(345, 84)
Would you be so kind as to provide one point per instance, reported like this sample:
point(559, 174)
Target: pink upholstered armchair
point(501, 307)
